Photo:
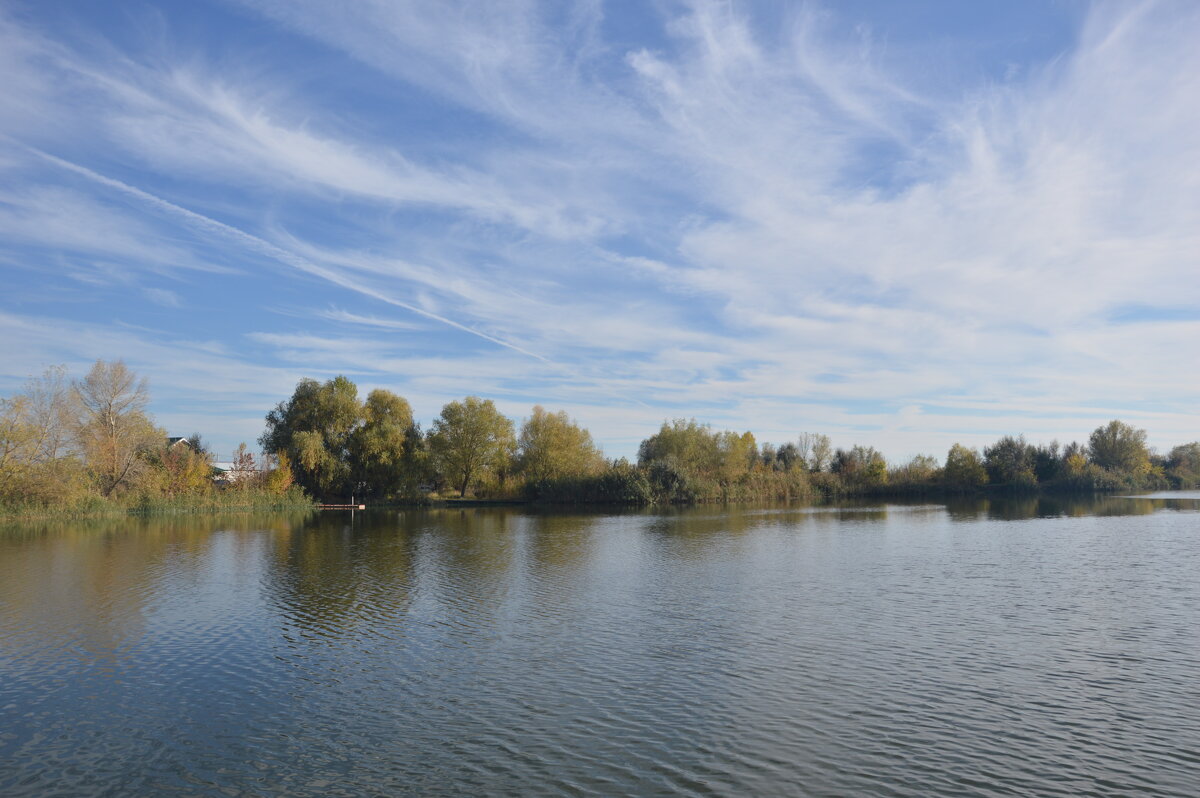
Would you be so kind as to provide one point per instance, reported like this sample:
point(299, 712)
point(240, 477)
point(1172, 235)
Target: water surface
point(1005, 648)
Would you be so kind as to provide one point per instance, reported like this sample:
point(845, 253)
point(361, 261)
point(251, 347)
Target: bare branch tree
point(113, 429)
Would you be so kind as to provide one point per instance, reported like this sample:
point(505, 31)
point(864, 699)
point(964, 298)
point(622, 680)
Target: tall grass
point(662, 483)
point(220, 501)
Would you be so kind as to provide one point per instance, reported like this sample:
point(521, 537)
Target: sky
point(901, 225)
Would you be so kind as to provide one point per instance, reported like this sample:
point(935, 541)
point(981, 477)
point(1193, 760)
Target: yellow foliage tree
point(552, 446)
point(113, 429)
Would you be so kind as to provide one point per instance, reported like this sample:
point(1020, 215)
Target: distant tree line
point(339, 445)
point(66, 442)
point(89, 443)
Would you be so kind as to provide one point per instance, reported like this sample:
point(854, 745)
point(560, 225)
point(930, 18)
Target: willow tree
point(314, 429)
point(552, 446)
point(382, 450)
point(469, 440)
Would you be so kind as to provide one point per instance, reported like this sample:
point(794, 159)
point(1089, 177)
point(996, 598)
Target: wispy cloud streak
point(765, 216)
point(269, 250)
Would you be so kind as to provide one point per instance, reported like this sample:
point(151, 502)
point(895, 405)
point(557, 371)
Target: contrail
point(286, 257)
point(268, 249)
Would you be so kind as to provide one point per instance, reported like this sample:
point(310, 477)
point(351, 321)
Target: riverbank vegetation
point(373, 449)
point(88, 446)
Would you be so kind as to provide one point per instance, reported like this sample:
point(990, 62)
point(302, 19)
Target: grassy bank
point(661, 484)
point(664, 484)
point(223, 501)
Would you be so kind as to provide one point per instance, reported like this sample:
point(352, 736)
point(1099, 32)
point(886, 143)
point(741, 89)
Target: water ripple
point(870, 651)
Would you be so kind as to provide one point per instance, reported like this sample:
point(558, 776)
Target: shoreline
point(103, 509)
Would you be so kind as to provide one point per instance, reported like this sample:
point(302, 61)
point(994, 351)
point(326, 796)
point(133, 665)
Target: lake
point(984, 648)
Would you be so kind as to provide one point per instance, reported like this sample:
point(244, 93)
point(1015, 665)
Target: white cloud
point(162, 296)
point(75, 222)
point(776, 232)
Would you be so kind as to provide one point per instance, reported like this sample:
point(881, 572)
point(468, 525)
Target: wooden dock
point(341, 506)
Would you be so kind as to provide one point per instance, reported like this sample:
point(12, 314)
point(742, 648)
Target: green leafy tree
point(736, 455)
point(416, 451)
point(690, 445)
point(380, 449)
point(768, 454)
point(1048, 462)
point(1183, 465)
point(964, 468)
point(552, 446)
point(861, 466)
point(687, 460)
point(1011, 461)
point(469, 440)
point(1120, 448)
point(670, 483)
point(314, 429)
point(1075, 463)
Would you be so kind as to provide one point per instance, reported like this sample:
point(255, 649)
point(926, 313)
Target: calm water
point(1003, 649)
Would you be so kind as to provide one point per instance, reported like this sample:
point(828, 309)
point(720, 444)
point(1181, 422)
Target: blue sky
point(904, 225)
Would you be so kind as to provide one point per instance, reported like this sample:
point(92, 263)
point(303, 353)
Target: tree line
point(88, 443)
point(340, 445)
point(67, 441)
